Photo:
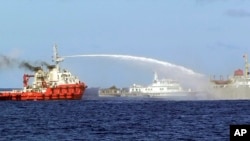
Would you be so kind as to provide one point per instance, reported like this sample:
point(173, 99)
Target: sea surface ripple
point(121, 120)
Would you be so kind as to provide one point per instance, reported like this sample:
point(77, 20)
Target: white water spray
point(143, 59)
point(187, 77)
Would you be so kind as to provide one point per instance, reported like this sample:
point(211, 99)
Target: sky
point(206, 36)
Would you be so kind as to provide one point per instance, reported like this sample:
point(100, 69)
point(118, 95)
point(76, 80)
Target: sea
point(121, 119)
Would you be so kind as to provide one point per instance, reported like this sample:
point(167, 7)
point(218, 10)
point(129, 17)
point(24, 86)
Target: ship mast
point(246, 65)
point(56, 58)
point(155, 77)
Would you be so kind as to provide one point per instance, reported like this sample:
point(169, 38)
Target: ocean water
point(120, 119)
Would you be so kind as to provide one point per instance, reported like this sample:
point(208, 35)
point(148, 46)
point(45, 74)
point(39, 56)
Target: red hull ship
point(53, 84)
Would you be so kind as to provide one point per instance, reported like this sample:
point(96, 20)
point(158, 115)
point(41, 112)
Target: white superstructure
point(159, 87)
point(54, 76)
point(235, 87)
point(239, 79)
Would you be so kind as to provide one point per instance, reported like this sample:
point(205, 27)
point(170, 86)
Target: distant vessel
point(113, 91)
point(54, 84)
point(234, 87)
point(159, 88)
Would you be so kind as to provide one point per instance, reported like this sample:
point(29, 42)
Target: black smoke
point(27, 65)
point(10, 63)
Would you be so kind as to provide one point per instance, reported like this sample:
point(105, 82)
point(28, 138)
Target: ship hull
point(62, 92)
point(231, 93)
point(169, 95)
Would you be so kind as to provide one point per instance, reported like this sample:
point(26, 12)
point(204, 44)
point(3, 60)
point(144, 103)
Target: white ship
point(235, 87)
point(159, 88)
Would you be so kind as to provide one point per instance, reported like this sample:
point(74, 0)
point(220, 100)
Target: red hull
point(62, 92)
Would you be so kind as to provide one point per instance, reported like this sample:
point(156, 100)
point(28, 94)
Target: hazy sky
point(207, 36)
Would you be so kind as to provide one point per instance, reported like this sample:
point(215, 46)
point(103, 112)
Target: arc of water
point(143, 59)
